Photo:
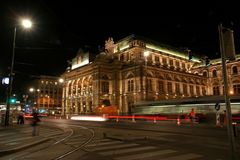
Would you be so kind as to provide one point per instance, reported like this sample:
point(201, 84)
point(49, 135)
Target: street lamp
point(26, 23)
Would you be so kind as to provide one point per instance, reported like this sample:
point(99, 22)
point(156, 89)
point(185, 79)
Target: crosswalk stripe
point(184, 157)
point(6, 134)
point(15, 139)
point(116, 146)
point(103, 143)
point(127, 150)
point(145, 155)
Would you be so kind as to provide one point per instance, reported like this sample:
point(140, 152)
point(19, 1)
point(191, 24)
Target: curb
point(13, 150)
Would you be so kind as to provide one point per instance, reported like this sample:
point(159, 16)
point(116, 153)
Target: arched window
point(234, 70)
point(214, 72)
point(216, 90)
point(205, 74)
point(130, 85)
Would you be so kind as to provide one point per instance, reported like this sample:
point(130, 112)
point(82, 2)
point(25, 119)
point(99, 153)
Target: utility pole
point(9, 93)
point(227, 100)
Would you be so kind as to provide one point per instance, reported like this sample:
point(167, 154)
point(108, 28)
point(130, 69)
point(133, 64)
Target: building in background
point(137, 69)
point(46, 95)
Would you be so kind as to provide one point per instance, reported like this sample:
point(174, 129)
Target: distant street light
point(31, 89)
point(26, 23)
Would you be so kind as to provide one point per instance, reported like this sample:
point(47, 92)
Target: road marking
point(103, 143)
point(127, 150)
point(116, 146)
point(6, 134)
point(15, 140)
point(145, 155)
point(184, 157)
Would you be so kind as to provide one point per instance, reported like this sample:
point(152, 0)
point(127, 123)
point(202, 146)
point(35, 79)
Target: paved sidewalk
point(17, 137)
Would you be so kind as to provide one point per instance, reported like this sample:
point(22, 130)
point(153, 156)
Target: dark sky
point(61, 27)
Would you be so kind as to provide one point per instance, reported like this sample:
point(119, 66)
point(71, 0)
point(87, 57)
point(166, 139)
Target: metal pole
point(227, 100)
point(9, 93)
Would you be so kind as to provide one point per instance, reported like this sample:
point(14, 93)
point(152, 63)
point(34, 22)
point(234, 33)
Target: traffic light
point(12, 100)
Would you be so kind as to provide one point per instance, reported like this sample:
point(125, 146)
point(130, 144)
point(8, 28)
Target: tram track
point(70, 133)
point(80, 146)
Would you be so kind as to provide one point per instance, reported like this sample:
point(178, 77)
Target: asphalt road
point(133, 140)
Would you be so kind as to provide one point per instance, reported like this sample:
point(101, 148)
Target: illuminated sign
point(5, 81)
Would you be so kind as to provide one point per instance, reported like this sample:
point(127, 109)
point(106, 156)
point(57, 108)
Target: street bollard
point(133, 119)
point(154, 121)
point(178, 121)
point(234, 124)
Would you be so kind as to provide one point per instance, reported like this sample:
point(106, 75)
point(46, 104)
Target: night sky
point(62, 27)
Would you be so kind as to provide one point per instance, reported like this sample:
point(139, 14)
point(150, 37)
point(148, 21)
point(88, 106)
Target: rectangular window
point(198, 90)
point(164, 61)
point(169, 87)
point(191, 90)
point(183, 65)
point(204, 91)
point(216, 90)
point(105, 87)
point(177, 88)
point(177, 64)
point(236, 89)
point(171, 62)
point(161, 87)
point(185, 88)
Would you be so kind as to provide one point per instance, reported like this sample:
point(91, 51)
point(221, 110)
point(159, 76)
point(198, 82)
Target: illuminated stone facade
point(136, 69)
point(215, 83)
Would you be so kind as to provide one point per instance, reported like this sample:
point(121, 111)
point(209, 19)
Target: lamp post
point(231, 137)
point(26, 24)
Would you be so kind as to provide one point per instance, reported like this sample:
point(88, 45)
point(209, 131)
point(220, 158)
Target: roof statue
point(109, 45)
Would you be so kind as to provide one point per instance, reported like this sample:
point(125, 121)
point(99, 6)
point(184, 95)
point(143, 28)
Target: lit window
point(130, 85)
